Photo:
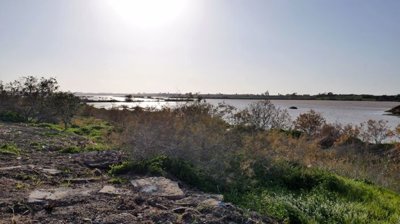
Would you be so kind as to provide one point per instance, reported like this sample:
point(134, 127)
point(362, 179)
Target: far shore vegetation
point(262, 96)
point(304, 170)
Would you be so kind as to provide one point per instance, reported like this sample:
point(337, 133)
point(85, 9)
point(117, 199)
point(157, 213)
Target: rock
point(100, 160)
point(57, 194)
point(210, 203)
point(51, 171)
point(159, 186)
point(201, 199)
point(10, 168)
point(116, 218)
point(108, 189)
point(293, 108)
point(179, 210)
point(97, 172)
point(82, 180)
point(188, 218)
point(395, 110)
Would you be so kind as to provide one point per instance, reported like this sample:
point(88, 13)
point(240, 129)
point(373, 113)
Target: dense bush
point(188, 133)
point(375, 131)
point(310, 123)
point(264, 115)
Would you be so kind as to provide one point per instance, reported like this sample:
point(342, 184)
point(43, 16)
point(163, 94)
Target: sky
point(206, 46)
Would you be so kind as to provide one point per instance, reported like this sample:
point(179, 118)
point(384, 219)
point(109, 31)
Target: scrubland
point(300, 171)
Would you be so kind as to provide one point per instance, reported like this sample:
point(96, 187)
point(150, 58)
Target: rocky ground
point(41, 184)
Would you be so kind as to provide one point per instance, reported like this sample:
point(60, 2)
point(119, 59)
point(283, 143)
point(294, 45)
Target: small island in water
point(395, 110)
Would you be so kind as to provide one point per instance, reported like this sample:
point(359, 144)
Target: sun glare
point(149, 13)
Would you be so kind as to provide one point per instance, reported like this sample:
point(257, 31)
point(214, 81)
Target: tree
point(65, 106)
point(264, 115)
point(375, 131)
point(29, 96)
point(310, 123)
point(128, 98)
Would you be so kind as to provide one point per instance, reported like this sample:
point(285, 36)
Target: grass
point(303, 195)
point(367, 204)
point(117, 180)
point(10, 149)
point(288, 192)
point(96, 130)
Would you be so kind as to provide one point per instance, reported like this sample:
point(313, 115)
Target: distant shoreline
point(192, 97)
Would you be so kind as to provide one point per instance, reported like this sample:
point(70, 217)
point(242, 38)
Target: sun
point(149, 13)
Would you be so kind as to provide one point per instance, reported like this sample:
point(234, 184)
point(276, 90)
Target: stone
point(211, 202)
point(10, 168)
point(83, 180)
point(100, 160)
point(51, 171)
point(57, 194)
point(159, 186)
point(97, 172)
point(395, 110)
point(116, 218)
point(108, 189)
point(179, 210)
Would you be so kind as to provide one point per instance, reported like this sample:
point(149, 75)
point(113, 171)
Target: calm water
point(344, 112)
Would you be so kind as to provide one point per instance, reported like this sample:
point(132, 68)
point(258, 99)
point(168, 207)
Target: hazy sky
point(228, 46)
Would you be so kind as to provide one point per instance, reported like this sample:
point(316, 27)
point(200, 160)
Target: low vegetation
point(311, 172)
point(9, 149)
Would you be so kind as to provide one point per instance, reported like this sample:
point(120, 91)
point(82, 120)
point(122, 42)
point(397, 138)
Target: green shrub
point(123, 168)
point(71, 150)
point(10, 116)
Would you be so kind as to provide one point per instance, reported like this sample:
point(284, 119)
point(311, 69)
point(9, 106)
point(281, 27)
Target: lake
point(344, 112)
